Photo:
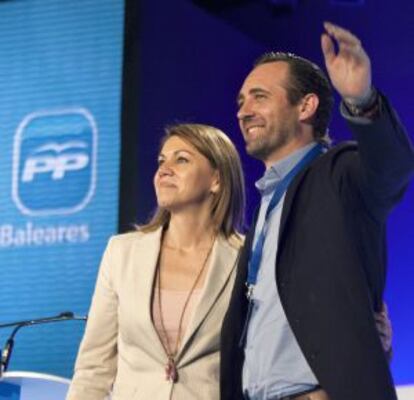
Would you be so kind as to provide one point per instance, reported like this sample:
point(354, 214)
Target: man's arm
point(386, 154)
point(350, 72)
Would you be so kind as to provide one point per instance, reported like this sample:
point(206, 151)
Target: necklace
point(171, 373)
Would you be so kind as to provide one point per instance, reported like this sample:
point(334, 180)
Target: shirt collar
point(276, 172)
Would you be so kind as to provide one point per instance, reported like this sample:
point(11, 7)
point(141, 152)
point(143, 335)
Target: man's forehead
point(265, 76)
point(271, 70)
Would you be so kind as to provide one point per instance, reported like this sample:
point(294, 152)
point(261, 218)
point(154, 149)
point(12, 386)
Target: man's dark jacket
point(331, 263)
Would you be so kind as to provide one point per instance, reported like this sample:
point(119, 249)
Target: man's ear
point(308, 106)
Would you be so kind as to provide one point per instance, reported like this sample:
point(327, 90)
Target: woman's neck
point(189, 232)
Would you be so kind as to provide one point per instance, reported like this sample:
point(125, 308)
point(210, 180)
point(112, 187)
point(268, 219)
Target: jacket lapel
point(290, 195)
point(222, 262)
point(147, 251)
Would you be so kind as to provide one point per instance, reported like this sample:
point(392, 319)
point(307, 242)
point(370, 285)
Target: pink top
point(172, 303)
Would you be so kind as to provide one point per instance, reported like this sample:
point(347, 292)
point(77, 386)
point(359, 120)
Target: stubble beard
point(263, 147)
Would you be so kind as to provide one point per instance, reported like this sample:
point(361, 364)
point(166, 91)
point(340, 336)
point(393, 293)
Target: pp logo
point(54, 162)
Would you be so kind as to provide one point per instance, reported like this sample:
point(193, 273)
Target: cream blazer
point(121, 350)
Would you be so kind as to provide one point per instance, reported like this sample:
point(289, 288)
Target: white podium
point(19, 385)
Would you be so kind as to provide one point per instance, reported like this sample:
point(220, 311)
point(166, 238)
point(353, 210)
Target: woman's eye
point(182, 160)
point(160, 161)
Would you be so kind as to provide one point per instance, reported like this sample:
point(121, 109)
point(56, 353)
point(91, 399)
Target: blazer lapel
point(146, 252)
point(287, 205)
point(222, 262)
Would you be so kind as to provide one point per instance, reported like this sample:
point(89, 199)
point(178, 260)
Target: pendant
point(171, 373)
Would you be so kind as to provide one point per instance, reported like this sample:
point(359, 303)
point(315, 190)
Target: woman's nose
point(165, 170)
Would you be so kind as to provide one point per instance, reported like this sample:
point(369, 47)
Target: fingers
point(385, 334)
point(347, 63)
point(347, 42)
point(380, 317)
point(349, 46)
point(328, 48)
point(341, 35)
point(384, 327)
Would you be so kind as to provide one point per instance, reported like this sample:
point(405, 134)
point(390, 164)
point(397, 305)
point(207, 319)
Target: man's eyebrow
point(254, 90)
point(258, 90)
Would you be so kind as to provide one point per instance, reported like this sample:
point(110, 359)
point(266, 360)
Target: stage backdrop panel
point(60, 83)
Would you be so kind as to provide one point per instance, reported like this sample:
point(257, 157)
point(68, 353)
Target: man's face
point(269, 123)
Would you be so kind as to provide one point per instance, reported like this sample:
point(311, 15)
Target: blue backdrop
point(60, 80)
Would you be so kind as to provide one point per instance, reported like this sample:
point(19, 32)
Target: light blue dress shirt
point(274, 365)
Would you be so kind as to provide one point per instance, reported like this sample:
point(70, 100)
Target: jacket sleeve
point(385, 160)
point(96, 363)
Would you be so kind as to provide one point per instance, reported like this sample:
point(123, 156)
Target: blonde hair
point(227, 210)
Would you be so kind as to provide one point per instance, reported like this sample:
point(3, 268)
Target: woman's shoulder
point(235, 240)
point(133, 237)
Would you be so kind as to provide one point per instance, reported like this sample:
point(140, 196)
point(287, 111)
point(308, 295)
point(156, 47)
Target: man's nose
point(245, 111)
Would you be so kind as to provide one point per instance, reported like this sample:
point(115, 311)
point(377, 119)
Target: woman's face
point(184, 178)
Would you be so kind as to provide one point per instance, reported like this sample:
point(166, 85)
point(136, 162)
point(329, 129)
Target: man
point(315, 260)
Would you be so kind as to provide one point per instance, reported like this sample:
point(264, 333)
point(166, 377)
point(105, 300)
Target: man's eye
point(259, 96)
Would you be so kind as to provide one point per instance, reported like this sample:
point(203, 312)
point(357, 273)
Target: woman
point(154, 324)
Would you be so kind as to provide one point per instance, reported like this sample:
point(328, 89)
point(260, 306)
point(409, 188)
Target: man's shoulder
point(337, 154)
point(341, 147)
